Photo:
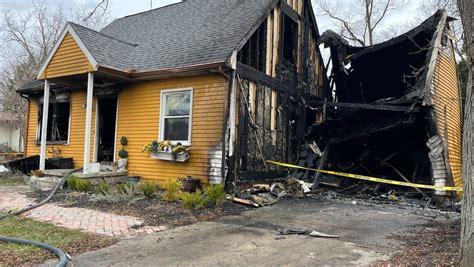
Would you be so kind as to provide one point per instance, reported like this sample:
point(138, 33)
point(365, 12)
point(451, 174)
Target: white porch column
point(44, 125)
point(87, 140)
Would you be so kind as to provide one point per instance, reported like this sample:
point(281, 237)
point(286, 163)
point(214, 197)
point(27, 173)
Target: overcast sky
point(121, 8)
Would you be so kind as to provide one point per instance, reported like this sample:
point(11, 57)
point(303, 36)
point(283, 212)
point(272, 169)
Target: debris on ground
point(242, 201)
point(296, 231)
point(260, 195)
point(3, 168)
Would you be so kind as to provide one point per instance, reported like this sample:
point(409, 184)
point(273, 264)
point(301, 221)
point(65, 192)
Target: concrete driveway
point(251, 239)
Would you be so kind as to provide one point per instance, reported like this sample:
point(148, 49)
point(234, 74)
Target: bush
point(148, 189)
point(172, 191)
point(124, 141)
point(71, 182)
point(193, 200)
point(83, 185)
point(126, 189)
point(214, 195)
point(103, 188)
point(123, 154)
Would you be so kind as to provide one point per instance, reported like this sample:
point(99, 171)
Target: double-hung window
point(176, 115)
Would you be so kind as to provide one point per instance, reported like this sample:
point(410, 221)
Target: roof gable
point(187, 34)
point(109, 52)
point(68, 57)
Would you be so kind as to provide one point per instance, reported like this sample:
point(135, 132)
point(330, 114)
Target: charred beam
point(255, 176)
point(289, 11)
point(372, 129)
point(259, 77)
point(344, 105)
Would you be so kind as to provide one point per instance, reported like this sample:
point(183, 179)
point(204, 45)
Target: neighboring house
point(224, 77)
point(11, 139)
point(396, 107)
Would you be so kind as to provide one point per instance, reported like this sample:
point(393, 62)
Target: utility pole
point(151, 4)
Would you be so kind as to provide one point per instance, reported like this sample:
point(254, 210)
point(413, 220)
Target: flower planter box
point(183, 157)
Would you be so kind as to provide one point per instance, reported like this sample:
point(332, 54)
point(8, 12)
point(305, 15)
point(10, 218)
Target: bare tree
point(429, 7)
point(25, 41)
point(359, 21)
point(467, 230)
point(102, 6)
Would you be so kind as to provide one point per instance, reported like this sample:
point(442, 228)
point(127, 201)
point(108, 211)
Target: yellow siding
point(75, 148)
point(447, 101)
point(139, 118)
point(69, 59)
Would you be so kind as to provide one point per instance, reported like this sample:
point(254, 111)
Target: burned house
point(394, 108)
point(223, 78)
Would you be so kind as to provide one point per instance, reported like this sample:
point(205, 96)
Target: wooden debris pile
point(260, 195)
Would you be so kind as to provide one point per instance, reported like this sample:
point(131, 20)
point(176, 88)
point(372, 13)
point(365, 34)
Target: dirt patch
point(437, 244)
point(152, 212)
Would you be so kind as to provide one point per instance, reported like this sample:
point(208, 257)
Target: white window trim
point(161, 131)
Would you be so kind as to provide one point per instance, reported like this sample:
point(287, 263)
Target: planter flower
point(165, 150)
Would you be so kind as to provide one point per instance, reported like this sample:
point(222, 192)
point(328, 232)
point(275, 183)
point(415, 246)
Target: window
point(253, 53)
point(290, 39)
point(58, 121)
point(176, 115)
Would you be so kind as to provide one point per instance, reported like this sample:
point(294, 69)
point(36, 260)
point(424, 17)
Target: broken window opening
point(253, 53)
point(58, 121)
point(290, 40)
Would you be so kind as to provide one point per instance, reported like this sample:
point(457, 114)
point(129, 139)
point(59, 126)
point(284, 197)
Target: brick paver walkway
point(75, 218)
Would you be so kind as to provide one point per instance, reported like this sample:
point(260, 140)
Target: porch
point(56, 134)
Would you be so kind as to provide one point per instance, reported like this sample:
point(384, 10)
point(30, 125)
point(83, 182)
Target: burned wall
point(271, 115)
point(391, 100)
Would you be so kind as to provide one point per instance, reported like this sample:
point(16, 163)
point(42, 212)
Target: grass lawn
point(70, 241)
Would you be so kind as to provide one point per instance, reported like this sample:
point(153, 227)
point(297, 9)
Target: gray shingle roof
point(189, 33)
point(106, 50)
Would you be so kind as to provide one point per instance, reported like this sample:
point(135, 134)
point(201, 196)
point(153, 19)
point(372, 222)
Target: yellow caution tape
point(369, 178)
